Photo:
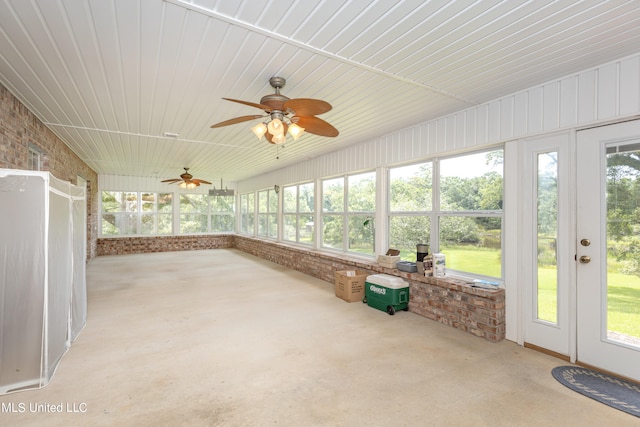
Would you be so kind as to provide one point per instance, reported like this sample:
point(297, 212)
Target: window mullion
point(435, 207)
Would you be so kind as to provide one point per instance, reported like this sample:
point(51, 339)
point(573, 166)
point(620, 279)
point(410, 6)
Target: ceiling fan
point(187, 180)
point(285, 115)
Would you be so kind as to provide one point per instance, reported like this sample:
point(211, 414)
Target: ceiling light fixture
point(285, 115)
point(189, 185)
point(277, 128)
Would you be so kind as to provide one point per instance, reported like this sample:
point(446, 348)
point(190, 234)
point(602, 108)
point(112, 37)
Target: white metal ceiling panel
point(110, 77)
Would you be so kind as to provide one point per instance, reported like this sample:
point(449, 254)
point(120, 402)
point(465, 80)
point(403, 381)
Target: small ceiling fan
point(285, 115)
point(186, 180)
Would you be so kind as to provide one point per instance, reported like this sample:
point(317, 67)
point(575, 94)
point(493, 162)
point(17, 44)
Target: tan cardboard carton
point(350, 285)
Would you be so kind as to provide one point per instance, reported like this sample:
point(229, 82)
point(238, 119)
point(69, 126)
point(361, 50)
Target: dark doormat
point(613, 391)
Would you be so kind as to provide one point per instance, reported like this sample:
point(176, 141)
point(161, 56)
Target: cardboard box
point(388, 261)
point(350, 285)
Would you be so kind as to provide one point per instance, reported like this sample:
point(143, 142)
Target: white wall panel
point(520, 114)
point(590, 97)
point(483, 124)
point(629, 86)
point(587, 96)
point(568, 102)
point(551, 106)
point(506, 122)
point(493, 121)
point(441, 142)
point(608, 91)
point(470, 128)
point(536, 102)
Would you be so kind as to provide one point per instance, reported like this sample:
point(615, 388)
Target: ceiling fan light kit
point(186, 180)
point(285, 115)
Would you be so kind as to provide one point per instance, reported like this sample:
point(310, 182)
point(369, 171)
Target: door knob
point(585, 259)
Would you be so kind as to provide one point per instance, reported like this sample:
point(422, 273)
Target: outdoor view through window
point(460, 216)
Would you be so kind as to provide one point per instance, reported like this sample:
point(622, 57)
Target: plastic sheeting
point(43, 299)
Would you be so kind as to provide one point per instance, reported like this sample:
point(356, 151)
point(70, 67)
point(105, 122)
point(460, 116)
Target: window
point(134, 213)
point(410, 208)
point(201, 213)
point(223, 217)
point(547, 194)
point(348, 213)
point(333, 213)
point(194, 213)
point(268, 213)
point(33, 159)
point(298, 207)
point(470, 213)
point(247, 213)
point(461, 216)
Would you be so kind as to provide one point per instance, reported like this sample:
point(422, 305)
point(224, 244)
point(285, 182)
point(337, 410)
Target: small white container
point(439, 265)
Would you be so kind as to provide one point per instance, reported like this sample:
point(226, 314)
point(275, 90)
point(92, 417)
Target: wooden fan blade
point(307, 106)
point(317, 126)
point(236, 120)
point(250, 104)
point(171, 181)
point(200, 181)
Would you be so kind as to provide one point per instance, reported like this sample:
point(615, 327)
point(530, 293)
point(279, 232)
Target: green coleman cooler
point(387, 293)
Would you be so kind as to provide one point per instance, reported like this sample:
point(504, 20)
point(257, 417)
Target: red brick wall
point(141, 245)
point(477, 311)
point(19, 128)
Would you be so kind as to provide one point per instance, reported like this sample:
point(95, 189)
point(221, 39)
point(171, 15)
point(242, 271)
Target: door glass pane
point(623, 244)
point(547, 222)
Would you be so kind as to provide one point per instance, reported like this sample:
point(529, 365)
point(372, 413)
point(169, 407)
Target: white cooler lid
point(387, 280)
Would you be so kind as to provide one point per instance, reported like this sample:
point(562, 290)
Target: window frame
point(346, 215)
point(266, 216)
point(209, 212)
point(436, 215)
point(136, 213)
point(247, 214)
point(299, 213)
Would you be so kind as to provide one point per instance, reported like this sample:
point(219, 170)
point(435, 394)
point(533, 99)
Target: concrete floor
point(221, 338)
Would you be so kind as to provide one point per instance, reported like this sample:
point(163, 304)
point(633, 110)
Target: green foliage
point(623, 211)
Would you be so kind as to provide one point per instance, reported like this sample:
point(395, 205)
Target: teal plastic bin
point(387, 293)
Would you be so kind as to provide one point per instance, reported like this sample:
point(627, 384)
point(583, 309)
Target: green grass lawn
point(473, 259)
point(623, 299)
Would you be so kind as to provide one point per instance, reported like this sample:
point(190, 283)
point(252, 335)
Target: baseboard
point(547, 351)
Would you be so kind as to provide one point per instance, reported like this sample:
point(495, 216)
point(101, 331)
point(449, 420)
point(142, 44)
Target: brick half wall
point(480, 312)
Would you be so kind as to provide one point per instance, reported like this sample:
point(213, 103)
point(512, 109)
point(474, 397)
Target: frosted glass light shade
point(260, 129)
point(295, 131)
point(275, 127)
point(279, 139)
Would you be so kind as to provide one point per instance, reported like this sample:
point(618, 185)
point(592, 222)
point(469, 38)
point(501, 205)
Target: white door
point(608, 248)
point(547, 269)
